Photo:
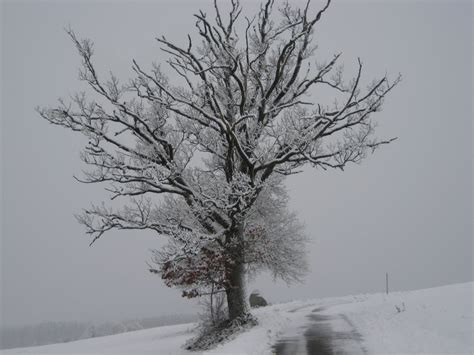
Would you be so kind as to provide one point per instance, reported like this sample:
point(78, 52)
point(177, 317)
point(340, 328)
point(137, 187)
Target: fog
point(406, 210)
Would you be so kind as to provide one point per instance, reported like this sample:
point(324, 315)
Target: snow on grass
point(436, 320)
point(431, 321)
point(161, 340)
point(272, 321)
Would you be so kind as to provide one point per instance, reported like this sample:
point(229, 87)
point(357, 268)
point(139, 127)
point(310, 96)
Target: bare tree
point(218, 145)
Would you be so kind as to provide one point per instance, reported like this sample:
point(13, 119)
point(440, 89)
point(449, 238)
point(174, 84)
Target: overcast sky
point(407, 210)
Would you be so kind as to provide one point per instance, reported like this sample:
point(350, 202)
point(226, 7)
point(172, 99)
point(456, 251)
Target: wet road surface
point(319, 337)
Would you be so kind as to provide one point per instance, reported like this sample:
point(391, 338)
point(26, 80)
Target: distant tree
point(218, 146)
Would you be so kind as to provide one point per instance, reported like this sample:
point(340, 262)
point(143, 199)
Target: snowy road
point(322, 335)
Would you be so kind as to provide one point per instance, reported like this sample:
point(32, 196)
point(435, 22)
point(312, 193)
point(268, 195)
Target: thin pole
point(386, 282)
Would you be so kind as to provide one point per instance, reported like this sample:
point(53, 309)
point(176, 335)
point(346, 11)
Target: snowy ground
point(436, 320)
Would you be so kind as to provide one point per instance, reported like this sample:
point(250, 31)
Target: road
point(322, 335)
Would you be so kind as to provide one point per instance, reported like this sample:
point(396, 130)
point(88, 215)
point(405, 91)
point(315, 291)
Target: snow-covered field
point(436, 320)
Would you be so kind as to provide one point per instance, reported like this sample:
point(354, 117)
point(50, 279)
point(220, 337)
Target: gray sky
point(406, 210)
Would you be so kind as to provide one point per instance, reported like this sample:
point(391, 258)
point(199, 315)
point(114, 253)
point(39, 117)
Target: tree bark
point(235, 271)
point(236, 302)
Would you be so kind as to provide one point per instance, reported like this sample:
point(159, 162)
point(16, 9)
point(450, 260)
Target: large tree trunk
point(235, 271)
point(236, 296)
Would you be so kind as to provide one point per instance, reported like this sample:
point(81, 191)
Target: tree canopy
point(216, 139)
